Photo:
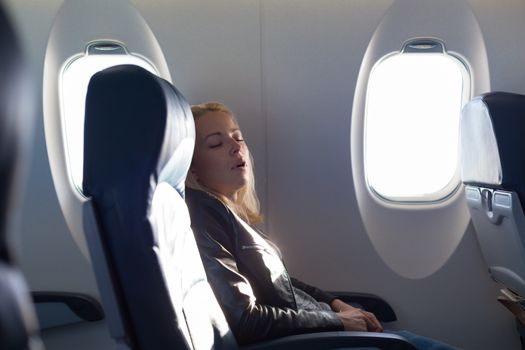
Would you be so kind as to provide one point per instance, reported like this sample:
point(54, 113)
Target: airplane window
point(413, 105)
point(73, 89)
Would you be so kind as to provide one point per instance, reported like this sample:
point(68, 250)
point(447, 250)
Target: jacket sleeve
point(315, 292)
point(249, 320)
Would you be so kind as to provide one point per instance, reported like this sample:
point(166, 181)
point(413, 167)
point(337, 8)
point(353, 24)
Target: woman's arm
point(352, 318)
point(315, 292)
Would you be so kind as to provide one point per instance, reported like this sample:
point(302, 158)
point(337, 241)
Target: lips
point(240, 165)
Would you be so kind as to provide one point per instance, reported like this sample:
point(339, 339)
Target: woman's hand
point(338, 305)
point(355, 319)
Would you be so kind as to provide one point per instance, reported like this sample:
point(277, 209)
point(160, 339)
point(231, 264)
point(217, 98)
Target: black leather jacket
point(248, 277)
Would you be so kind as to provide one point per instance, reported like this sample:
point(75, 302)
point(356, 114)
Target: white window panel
point(413, 106)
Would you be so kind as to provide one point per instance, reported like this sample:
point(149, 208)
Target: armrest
point(371, 303)
point(335, 340)
point(82, 306)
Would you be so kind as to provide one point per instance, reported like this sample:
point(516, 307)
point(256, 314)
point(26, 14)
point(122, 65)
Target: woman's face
point(220, 160)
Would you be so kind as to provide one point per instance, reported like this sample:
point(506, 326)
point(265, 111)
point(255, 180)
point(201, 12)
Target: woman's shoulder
point(192, 195)
point(200, 201)
point(211, 220)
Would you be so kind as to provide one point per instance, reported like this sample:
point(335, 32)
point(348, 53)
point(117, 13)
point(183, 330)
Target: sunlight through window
point(73, 89)
point(413, 107)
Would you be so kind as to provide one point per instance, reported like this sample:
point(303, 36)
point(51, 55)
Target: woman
point(245, 269)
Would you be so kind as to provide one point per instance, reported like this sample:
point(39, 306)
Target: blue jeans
point(422, 343)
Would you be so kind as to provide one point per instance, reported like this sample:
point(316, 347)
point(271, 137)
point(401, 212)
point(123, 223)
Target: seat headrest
point(125, 148)
point(492, 141)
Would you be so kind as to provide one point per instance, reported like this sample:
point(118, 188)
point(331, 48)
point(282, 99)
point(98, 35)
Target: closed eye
point(237, 136)
point(216, 145)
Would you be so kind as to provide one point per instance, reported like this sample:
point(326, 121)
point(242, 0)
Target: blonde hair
point(247, 204)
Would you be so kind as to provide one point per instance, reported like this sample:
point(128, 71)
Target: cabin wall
point(46, 251)
point(289, 70)
point(502, 26)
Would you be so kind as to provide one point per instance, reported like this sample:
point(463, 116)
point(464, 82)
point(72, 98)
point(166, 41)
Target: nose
point(235, 146)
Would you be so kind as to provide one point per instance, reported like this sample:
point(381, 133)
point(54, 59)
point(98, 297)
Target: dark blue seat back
point(493, 170)
point(139, 138)
point(18, 326)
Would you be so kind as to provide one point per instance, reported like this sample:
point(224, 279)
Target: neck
point(232, 197)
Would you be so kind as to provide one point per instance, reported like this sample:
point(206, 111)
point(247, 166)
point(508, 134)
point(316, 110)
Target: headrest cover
point(124, 147)
point(492, 141)
point(480, 161)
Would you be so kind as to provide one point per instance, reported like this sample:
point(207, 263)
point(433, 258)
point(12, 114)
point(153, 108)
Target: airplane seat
point(493, 171)
point(139, 138)
point(18, 325)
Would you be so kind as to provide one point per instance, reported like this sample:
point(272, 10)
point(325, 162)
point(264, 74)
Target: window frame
point(421, 46)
